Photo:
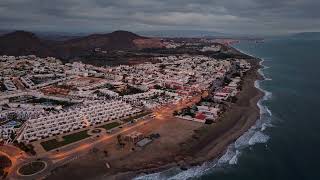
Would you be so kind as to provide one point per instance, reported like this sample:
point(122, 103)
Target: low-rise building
point(73, 119)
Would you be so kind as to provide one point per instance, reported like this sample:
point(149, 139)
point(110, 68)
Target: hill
point(25, 43)
point(182, 33)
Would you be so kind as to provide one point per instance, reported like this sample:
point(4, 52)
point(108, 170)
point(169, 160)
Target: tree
point(12, 116)
point(157, 86)
point(106, 153)
point(12, 135)
point(234, 99)
point(162, 66)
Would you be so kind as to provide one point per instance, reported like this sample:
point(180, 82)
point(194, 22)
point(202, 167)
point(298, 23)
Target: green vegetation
point(188, 111)
point(26, 148)
point(226, 80)
point(129, 90)
point(110, 125)
point(49, 102)
point(68, 139)
point(158, 86)
point(136, 116)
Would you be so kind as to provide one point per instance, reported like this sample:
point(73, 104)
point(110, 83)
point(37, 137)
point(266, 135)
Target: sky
point(226, 16)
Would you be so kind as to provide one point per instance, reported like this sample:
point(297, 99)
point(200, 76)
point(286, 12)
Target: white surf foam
point(243, 140)
point(234, 159)
point(258, 137)
point(193, 172)
point(230, 153)
point(264, 110)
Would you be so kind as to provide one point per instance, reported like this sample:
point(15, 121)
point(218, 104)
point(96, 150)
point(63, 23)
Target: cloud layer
point(229, 16)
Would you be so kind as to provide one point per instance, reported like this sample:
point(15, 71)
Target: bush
point(26, 148)
point(110, 125)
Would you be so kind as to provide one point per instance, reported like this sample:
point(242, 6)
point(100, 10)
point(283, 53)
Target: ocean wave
point(194, 171)
point(258, 137)
point(234, 159)
point(264, 110)
point(267, 96)
point(177, 173)
point(265, 78)
point(264, 126)
point(243, 141)
point(230, 153)
point(255, 134)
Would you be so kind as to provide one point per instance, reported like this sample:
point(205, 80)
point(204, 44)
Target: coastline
point(239, 118)
point(178, 151)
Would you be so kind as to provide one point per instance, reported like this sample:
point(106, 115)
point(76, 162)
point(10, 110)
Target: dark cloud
point(231, 16)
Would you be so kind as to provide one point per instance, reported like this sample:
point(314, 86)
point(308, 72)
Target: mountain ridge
point(24, 43)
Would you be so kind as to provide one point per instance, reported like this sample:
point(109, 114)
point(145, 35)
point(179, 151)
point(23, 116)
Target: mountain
point(2, 31)
point(114, 40)
point(25, 43)
point(182, 33)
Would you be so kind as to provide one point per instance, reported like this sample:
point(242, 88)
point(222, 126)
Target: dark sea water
point(285, 142)
point(293, 150)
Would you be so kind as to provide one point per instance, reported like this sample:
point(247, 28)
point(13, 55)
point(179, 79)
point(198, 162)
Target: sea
point(285, 142)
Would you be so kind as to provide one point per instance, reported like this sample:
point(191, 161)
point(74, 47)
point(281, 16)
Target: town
point(43, 100)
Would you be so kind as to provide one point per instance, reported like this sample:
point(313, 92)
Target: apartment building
point(74, 119)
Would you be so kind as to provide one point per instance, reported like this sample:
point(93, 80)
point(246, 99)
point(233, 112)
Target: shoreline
point(187, 145)
point(240, 117)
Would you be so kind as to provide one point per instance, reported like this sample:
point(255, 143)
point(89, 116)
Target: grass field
point(68, 139)
point(32, 168)
point(110, 125)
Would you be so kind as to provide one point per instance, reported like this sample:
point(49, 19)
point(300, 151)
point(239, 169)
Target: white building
point(9, 85)
point(27, 82)
point(5, 132)
point(63, 122)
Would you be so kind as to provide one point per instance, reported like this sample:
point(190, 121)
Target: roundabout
point(32, 168)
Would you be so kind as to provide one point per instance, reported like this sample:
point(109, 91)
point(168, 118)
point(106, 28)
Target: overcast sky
point(227, 16)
